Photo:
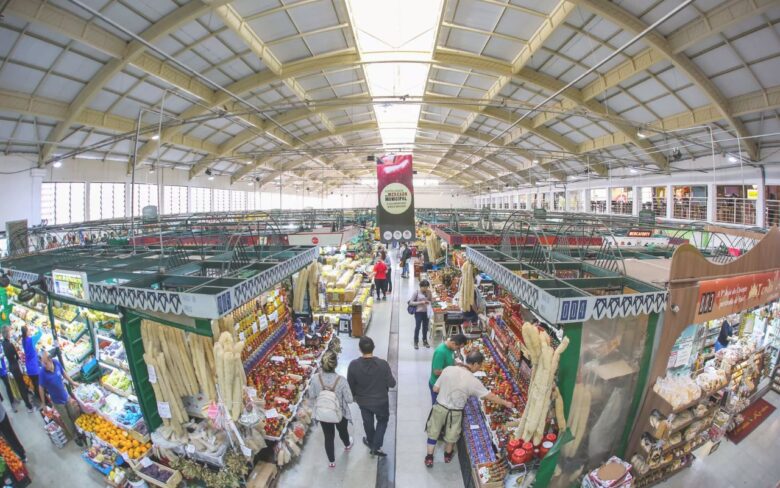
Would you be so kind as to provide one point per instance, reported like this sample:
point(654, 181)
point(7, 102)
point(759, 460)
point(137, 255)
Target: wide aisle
point(414, 404)
point(355, 469)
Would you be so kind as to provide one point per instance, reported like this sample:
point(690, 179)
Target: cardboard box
point(262, 475)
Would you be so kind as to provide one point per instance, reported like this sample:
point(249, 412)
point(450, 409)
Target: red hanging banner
point(395, 191)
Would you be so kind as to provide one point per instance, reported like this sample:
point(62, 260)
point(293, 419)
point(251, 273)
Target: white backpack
point(328, 406)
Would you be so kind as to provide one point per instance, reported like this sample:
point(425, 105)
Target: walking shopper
point(332, 398)
point(31, 356)
point(421, 299)
point(51, 382)
point(389, 274)
point(443, 357)
point(455, 385)
point(380, 277)
point(4, 377)
point(10, 436)
point(12, 356)
point(406, 255)
point(370, 379)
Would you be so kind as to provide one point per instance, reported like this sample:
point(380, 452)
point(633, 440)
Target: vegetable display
point(230, 373)
point(466, 292)
point(545, 366)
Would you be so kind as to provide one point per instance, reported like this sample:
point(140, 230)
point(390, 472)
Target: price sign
point(263, 322)
point(277, 359)
point(213, 411)
point(152, 373)
point(246, 451)
point(474, 427)
point(164, 409)
point(480, 374)
point(271, 414)
point(304, 362)
point(274, 316)
point(251, 393)
point(254, 327)
point(190, 449)
point(241, 337)
point(146, 462)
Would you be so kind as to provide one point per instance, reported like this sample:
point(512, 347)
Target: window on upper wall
point(238, 201)
point(63, 203)
point(175, 200)
point(106, 201)
point(200, 200)
point(144, 195)
point(221, 201)
point(253, 200)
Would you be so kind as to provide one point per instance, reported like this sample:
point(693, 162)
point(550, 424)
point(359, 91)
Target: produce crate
point(172, 482)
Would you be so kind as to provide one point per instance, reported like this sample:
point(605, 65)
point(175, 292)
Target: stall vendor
point(726, 332)
point(454, 387)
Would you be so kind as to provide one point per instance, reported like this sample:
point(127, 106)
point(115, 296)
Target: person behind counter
point(726, 332)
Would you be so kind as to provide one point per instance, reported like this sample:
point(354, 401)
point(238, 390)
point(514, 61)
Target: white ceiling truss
point(282, 87)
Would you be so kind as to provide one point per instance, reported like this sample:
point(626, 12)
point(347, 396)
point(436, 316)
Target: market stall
point(697, 389)
point(561, 348)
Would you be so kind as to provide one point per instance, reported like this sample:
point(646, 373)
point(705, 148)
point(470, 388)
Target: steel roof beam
point(631, 23)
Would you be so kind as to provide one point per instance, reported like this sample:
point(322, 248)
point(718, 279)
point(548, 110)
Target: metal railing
point(732, 210)
point(692, 208)
point(598, 206)
point(622, 208)
point(772, 213)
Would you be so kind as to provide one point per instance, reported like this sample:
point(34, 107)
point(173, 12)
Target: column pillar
point(761, 205)
point(712, 202)
point(669, 201)
point(636, 206)
point(36, 177)
point(586, 200)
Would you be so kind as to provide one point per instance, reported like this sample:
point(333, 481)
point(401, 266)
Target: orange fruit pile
point(110, 433)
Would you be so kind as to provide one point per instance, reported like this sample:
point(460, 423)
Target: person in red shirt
point(380, 277)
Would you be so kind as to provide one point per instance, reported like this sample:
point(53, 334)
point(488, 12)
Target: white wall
point(21, 191)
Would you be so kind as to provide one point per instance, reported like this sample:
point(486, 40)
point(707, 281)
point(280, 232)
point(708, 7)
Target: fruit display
point(118, 381)
point(101, 457)
point(112, 435)
point(157, 472)
point(281, 379)
point(76, 352)
point(113, 353)
point(12, 461)
point(73, 330)
point(66, 313)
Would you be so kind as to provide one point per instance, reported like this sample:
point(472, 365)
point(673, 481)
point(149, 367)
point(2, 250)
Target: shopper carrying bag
point(421, 300)
point(332, 396)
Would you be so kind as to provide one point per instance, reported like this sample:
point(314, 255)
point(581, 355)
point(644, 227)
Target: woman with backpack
point(332, 397)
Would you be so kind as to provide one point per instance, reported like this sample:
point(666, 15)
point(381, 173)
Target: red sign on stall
point(718, 298)
point(315, 240)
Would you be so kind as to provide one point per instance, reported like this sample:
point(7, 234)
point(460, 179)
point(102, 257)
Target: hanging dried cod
point(466, 292)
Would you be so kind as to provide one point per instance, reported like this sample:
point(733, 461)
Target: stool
point(437, 327)
point(453, 329)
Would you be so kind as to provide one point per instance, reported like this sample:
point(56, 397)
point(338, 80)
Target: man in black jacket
point(370, 379)
point(12, 356)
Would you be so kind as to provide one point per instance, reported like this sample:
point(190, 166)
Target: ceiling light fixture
point(57, 164)
point(733, 159)
point(151, 169)
point(641, 135)
point(535, 161)
point(633, 171)
point(156, 137)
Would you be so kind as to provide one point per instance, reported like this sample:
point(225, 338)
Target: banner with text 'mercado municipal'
point(395, 212)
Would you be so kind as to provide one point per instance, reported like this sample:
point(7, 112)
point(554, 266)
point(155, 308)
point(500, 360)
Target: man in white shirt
point(454, 387)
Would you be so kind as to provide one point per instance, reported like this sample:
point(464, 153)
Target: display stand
point(582, 309)
point(695, 286)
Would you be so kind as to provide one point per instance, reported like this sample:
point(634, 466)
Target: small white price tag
point(270, 414)
point(277, 359)
point(304, 362)
point(164, 409)
point(480, 374)
point(254, 327)
point(246, 451)
point(474, 427)
point(251, 393)
point(146, 462)
point(274, 316)
point(190, 449)
point(241, 337)
point(152, 373)
point(263, 322)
